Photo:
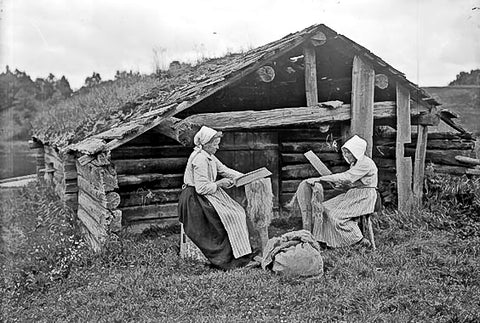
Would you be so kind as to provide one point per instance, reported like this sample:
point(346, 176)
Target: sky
point(431, 41)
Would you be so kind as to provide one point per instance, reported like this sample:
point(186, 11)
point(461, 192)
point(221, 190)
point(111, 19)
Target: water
point(16, 159)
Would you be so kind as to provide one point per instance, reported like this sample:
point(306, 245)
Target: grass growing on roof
point(91, 110)
point(423, 272)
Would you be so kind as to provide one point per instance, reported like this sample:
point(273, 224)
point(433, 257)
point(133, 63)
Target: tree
point(464, 78)
point(63, 86)
point(93, 80)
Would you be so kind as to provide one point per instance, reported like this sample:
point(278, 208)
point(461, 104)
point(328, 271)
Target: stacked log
point(150, 176)
point(295, 167)
point(97, 201)
point(59, 170)
point(442, 150)
point(39, 158)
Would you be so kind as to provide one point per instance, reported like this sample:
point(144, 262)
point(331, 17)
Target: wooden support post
point(363, 84)
point(259, 195)
point(311, 89)
point(419, 168)
point(403, 164)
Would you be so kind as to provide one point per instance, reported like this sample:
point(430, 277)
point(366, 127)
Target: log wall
point(442, 148)
point(98, 202)
point(293, 143)
point(150, 168)
point(59, 170)
point(150, 176)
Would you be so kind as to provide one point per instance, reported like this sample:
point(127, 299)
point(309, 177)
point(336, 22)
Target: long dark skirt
point(203, 226)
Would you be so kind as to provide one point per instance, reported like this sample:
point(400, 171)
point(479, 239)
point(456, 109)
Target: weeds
point(39, 239)
point(421, 272)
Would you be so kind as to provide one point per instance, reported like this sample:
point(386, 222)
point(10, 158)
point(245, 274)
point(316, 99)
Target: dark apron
point(203, 226)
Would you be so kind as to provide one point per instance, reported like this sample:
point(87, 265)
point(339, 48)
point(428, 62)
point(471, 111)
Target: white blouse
point(362, 174)
point(202, 170)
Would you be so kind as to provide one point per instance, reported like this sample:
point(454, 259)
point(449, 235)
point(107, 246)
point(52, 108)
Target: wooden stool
point(366, 221)
point(188, 249)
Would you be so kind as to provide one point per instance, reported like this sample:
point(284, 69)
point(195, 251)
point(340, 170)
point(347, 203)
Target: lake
point(16, 159)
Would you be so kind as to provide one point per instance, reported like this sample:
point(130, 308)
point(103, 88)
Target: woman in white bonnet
point(211, 218)
point(335, 226)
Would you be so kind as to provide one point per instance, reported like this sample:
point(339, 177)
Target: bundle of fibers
point(260, 202)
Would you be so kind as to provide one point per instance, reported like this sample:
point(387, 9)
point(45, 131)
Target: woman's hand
point(225, 182)
point(313, 180)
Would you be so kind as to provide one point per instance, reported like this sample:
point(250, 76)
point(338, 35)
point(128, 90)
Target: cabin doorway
point(247, 151)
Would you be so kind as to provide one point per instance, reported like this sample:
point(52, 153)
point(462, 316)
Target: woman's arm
point(203, 182)
point(359, 170)
point(224, 171)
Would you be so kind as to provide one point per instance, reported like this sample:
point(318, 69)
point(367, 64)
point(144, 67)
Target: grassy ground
point(427, 269)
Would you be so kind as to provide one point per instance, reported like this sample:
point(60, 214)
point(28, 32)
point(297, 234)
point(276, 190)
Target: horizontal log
point(468, 160)
point(97, 211)
point(97, 192)
point(250, 119)
point(113, 200)
point(303, 147)
point(448, 169)
point(138, 152)
point(431, 135)
point(184, 130)
point(303, 171)
point(140, 226)
point(254, 145)
point(426, 119)
point(54, 162)
point(385, 163)
point(386, 175)
point(154, 165)
point(160, 180)
point(34, 144)
point(145, 197)
point(302, 135)
point(147, 212)
point(71, 188)
point(96, 230)
point(473, 171)
point(71, 200)
point(445, 144)
point(443, 157)
point(327, 158)
point(290, 186)
point(100, 177)
point(70, 174)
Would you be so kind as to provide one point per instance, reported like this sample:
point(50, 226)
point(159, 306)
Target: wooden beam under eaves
point(184, 130)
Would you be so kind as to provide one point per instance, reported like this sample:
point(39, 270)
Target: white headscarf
point(357, 146)
point(204, 135)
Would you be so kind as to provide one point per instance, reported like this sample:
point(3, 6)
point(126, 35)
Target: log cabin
point(310, 90)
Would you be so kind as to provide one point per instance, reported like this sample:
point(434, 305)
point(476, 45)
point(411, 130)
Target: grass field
point(427, 269)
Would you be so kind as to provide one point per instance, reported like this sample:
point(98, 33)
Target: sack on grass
point(294, 253)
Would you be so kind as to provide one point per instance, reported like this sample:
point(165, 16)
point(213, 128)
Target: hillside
point(464, 100)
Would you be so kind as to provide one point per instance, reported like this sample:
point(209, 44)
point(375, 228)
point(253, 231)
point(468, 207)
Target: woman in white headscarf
point(335, 226)
point(211, 218)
